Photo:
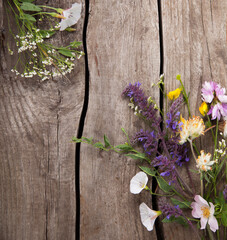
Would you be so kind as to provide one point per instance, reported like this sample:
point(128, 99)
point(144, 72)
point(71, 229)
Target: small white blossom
point(72, 15)
point(203, 162)
point(148, 216)
point(138, 182)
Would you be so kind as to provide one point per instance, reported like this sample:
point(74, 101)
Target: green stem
point(201, 182)
point(211, 129)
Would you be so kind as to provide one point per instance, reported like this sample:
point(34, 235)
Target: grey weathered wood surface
point(194, 38)
point(37, 121)
point(37, 167)
point(123, 47)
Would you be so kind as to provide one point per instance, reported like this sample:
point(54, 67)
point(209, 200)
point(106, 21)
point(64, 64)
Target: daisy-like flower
point(204, 211)
point(174, 94)
point(203, 161)
point(148, 216)
point(215, 95)
point(203, 109)
point(71, 16)
point(138, 182)
point(191, 129)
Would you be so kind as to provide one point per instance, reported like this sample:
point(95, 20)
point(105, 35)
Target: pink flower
point(204, 211)
point(215, 95)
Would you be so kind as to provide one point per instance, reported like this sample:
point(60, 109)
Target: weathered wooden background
point(127, 41)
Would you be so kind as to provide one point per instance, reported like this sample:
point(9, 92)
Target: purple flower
point(148, 139)
point(172, 121)
point(166, 166)
point(140, 100)
point(218, 110)
point(215, 95)
point(169, 210)
point(225, 193)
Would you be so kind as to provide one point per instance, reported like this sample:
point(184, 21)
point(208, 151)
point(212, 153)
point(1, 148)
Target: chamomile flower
point(204, 162)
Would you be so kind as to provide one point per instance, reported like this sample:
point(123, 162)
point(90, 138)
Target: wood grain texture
point(123, 47)
point(37, 167)
point(194, 35)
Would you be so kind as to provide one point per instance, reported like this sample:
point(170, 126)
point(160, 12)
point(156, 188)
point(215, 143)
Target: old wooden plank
point(194, 35)
point(37, 170)
point(123, 47)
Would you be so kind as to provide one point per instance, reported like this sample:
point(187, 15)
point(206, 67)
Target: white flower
point(203, 161)
point(72, 15)
point(138, 182)
point(191, 129)
point(202, 210)
point(148, 216)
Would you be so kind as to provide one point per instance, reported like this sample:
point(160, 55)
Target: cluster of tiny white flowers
point(28, 41)
point(221, 150)
point(42, 68)
point(136, 109)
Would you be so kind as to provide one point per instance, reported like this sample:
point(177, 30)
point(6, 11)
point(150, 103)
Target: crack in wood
point(158, 223)
point(81, 123)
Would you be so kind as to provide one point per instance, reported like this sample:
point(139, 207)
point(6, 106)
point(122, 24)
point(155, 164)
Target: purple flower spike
point(225, 193)
point(147, 110)
point(169, 210)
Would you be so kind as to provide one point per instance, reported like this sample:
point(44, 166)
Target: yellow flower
point(174, 94)
point(203, 109)
point(191, 129)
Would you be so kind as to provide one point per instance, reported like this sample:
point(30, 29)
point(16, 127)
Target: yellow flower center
point(206, 211)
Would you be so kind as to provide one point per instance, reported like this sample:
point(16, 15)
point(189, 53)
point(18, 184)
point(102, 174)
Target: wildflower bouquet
point(169, 144)
point(37, 56)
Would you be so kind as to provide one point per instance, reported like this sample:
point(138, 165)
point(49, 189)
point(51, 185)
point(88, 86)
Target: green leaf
point(206, 177)
point(224, 216)
point(27, 6)
point(137, 156)
point(181, 204)
point(99, 145)
point(27, 1)
point(76, 140)
point(179, 220)
point(148, 171)
point(88, 140)
point(75, 44)
point(45, 33)
point(66, 52)
point(163, 185)
point(106, 141)
point(124, 147)
point(28, 17)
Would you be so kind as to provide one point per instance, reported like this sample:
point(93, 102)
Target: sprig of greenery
point(36, 55)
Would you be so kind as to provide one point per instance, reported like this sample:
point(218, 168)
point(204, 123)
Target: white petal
point(148, 216)
point(203, 222)
point(213, 223)
point(201, 201)
point(72, 16)
point(223, 98)
point(138, 182)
